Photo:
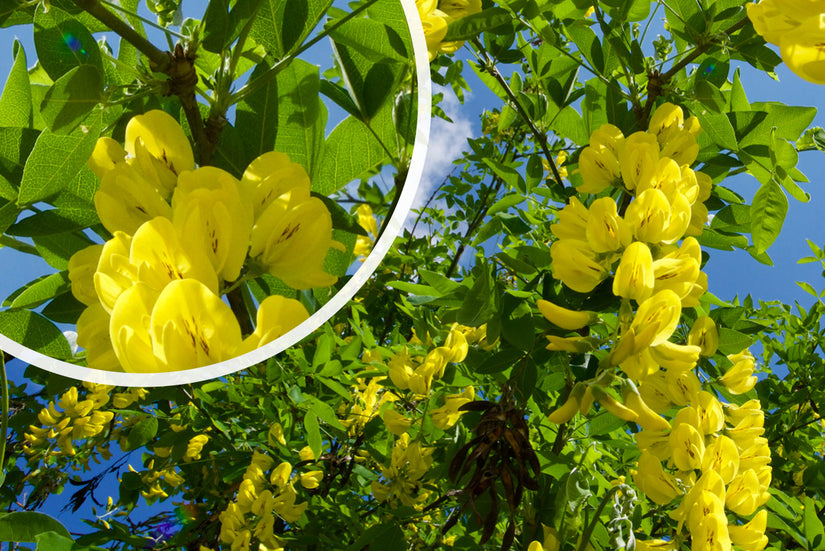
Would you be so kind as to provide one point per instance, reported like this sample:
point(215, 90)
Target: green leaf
point(75, 202)
point(386, 536)
point(142, 433)
point(57, 248)
point(71, 98)
point(24, 526)
point(808, 288)
point(64, 309)
point(313, 431)
point(44, 223)
point(719, 128)
point(374, 40)
point(282, 25)
point(478, 306)
point(8, 214)
point(371, 84)
point(54, 161)
point(325, 413)
point(16, 101)
point(732, 342)
point(588, 44)
point(63, 43)
point(814, 531)
point(767, 215)
point(505, 203)
point(35, 332)
point(15, 146)
point(42, 290)
point(471, 26)
point(738, 98)
point(301, 115)
point(52, 541)
point(257, 114)
point(350, 151)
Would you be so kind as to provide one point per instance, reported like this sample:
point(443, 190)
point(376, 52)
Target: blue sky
point(730, 273)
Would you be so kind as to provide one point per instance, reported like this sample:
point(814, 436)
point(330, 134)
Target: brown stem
point(159, 59)
point(490, 67)
point(236, 303)
point(657, 82)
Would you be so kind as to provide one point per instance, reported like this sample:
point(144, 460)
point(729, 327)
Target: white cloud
point(447, 142)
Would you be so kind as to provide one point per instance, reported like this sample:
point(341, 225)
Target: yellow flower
point(363, 243)
point(739, 378)
point(126, 199)
point(277, 316)
point(570, 407)
point(161, 137)
point(688, 446)
point(311, 479)
point(115, 273)
point(106, 155)
point(634, 277)
point(209, 214)
point(711, 532)
point(711, 415)
point(640, 365)
point(456, 343)
point(564, 318)
point(679, 269)
point(129, 328)
point(664, 174)
point(93, 336)
point(195, 447)
point(654, 219)
point(638, 155)
point(647, 418)
point(666, 120)
point(776, 19)
point(576, 265)
point(654, 482)
point(396, 423)
point(82, 267)
point(682, 386)
point(654, 389)
point(292, 237)
point(744, 494)
point(572, 221)
point(459, 8)
point(276, 434)
point(435, 29)
point(677, 357)
point(160, 257)
point(192, 327)
point(447, 415)
point(722, 456)
point(606, 230)
point(704, 335)
point(599, 169)
point(750, 536)
point(268, 177)
point(656, 319)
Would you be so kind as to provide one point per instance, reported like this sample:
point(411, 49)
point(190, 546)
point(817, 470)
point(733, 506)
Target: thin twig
point(159, 59)
point(490, 67)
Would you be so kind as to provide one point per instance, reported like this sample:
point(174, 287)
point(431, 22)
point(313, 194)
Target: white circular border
point(341, 298)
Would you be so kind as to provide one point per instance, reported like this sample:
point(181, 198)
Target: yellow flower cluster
point(436, 15)
point(259, 500)
point(668, 204)
point(798, 28)
point(715, 456)
point(181, 235)
point(81, 418)
point(152, 478)
point(417, 373)
point(366, 219)
point(402, 479)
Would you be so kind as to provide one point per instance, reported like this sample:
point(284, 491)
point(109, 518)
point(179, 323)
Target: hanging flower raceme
point(708, 463)
point(181, 236)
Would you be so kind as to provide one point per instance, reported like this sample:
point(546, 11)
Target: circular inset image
point(180, 207)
